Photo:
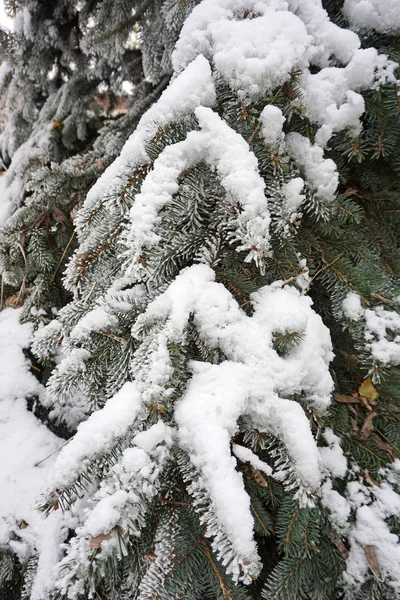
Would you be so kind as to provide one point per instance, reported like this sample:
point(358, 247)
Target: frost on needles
point(218, 262)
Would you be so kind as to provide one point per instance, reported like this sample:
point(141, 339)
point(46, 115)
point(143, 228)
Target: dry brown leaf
point(367, 426)
point(350, 192)
point(148, 558)
point(382, 445)
point(59, 216)
point(258, 478)
point(343, 399)
point(341, 547)
point(370, 479)
point(73, 212)
point(366, 403)
point(96, 541)
point(13, 301)
point(372, 560)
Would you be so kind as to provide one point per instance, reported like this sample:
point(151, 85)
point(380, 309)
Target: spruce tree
point(223, 356)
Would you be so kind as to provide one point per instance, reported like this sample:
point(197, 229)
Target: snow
point(332, 458)
point(379, 322)
point(320, 173)
point(24, 440)
point(253, 56)
point(43, 344)
point(272, 121)
point(253, 380)
point(246, 455)
point(192, 88)
point(50, 552)
point(293, 196)
point(16, 380)
point(106, 514)
point(97, 434)
point(152, 437)
point(256, 55)
point(337, 505)
point(222, 148)
point(370, 529)
point(121, 500)
point(381, 329)
point(96, 320)
point(352, 307)
point(381, 15)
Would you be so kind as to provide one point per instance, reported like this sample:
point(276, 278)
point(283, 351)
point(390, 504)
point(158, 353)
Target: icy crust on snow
point(253, 380)
point(381, 15)
point(381, 328)
point(223, 149)
point(97, 434)
point(24, 440)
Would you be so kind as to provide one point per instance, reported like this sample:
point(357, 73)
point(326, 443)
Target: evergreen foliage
point(221, 349)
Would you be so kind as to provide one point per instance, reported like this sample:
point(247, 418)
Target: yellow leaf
point(368, 390)
point(56, 125)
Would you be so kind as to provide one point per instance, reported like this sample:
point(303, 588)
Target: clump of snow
point(253, 55)
point(379, 323)
point(24, 440)
point(293, 196)
point(337, 505)
point(97, 435)
point(106, 513)
point(381, 15)
point(149, 439)
point(320, 173)
point(272, 121)
point(352, 307)
point(247, 455)
point(381, 329)
point(50, 551)
point(96, 320)
point(256, 55)
point(332, 458)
